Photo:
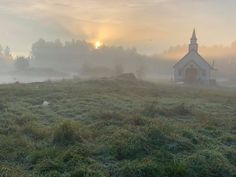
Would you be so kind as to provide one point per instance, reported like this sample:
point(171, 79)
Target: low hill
point(116, 128)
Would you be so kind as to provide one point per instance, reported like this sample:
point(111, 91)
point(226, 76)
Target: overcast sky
point(150, 25)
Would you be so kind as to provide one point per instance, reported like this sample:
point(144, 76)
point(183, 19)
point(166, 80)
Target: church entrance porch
point(191, 75)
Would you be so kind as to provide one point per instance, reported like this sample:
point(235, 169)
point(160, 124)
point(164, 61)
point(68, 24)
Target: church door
point(191, 75)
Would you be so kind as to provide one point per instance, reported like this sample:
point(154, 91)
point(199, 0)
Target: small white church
point(193, 68)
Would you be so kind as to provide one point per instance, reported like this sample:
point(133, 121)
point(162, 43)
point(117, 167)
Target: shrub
point(65, 134)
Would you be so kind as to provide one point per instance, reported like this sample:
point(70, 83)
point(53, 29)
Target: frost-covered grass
point(116, 128)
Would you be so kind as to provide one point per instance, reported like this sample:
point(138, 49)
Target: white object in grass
point(45, 104)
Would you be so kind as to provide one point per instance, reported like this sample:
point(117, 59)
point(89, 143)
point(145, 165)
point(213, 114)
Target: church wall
point(178, 78)
point(203, 72)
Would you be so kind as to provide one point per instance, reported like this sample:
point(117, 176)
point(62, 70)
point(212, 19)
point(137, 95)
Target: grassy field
point(116, 128)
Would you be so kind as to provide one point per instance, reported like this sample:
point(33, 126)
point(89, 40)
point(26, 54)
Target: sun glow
point(97, 44)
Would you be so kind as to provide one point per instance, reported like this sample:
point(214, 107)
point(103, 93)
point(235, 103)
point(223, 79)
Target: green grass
point(116, 128)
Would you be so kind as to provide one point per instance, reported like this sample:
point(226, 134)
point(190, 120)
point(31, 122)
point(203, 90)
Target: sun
point(98, 44)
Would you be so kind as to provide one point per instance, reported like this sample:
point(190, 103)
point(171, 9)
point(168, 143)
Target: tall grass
point(116, 128)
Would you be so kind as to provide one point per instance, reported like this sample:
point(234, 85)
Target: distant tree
point(70, 56)
point(58, 43)
point(22, 63)
point(7, 52)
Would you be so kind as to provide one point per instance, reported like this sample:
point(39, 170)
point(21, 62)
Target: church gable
point(193, 56)
point(191, 64)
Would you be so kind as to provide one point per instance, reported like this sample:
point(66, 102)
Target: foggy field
point(116, 128)
point(129, 88)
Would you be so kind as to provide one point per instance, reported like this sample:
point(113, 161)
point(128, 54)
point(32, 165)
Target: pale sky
point(151, 26)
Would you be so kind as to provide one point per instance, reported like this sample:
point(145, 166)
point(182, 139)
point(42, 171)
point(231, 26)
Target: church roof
point(193, 56)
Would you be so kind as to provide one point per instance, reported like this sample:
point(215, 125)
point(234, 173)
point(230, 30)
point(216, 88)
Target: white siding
point(195, 60)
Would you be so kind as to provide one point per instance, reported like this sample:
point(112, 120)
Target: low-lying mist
point(53, 60)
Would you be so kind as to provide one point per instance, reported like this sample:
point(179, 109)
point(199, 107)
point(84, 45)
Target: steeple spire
point(193, 46)
point(194, 35)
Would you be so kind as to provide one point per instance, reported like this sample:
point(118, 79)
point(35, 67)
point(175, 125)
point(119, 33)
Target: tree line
point(84, 58)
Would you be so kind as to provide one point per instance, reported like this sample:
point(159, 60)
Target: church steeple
point(194, 35)
point(193, 46)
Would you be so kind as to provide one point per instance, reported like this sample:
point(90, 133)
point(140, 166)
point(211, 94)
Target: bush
point(65, 134)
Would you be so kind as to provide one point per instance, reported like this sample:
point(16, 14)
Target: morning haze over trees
point(76, 57)
point(85, 60)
